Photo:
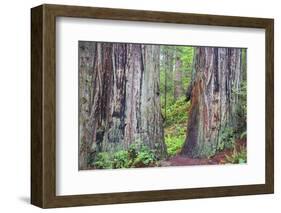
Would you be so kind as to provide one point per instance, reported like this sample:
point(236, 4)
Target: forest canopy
point(143, 105)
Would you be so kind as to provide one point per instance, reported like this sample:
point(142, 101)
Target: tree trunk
point(166, 65)
point(216, 77)
point(151, 126)
point(86, 59)
point(177, 77)
point(124, 102)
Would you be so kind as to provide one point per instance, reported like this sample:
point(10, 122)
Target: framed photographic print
point(136, 106)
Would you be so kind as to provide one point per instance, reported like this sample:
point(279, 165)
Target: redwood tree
point(216, 76)
point(119, 98)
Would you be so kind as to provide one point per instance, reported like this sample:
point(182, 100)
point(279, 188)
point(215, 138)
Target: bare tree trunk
point(213, 100)
point(178, 90)
point(151, 126)
point(124, 101)
point(86, 62)
point(166, 82)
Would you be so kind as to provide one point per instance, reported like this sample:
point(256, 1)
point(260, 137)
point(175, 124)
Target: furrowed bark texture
point(119, 99)
point(151, 125)
point(86, 53)
point(216, 77)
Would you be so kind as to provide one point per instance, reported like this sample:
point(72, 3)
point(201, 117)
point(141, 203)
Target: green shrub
point(103, 161)
point(177, 112)
point(226, 139)
point(121, 160)
point(174, 144)
point(138, 155)
point(144, 157)
point(133, 150)
point(237, 156)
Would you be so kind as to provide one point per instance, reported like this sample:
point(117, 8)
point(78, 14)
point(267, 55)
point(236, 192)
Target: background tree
point(167, 66)
point(215, 82)
point(178, 90)
point(175, 60)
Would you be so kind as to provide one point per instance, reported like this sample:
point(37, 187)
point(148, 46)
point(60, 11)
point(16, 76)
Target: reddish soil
point(219, 158)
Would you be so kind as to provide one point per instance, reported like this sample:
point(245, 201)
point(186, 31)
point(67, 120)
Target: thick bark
point(122, 99)
point(151, 125)
point(216, 75)
point(86, 53)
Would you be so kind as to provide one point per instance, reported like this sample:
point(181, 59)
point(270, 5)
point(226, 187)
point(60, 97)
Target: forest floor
point(219, 158)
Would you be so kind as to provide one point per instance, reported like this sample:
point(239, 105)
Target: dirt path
point(185, 161)
point(219, 158)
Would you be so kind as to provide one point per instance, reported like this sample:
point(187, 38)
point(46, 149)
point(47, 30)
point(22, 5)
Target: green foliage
point(167, 63)
point(103, 161)
point(144, 157)
point(186, 79)
point(175, 125)
point(186, 56)
point(133, 150)
point(174, 144)
point(138, 155)
point(121, 160)
point(226, 139)
point(169, 86)
point(237, 156)
point(177, 112)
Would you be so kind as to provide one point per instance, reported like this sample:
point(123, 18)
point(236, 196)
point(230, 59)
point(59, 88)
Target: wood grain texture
point(43, 105)
point(36, 106)
point(269, 106)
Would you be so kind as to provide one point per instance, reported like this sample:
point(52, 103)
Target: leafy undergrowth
point(236, 155)
point(135, 157)
point(175, 126)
